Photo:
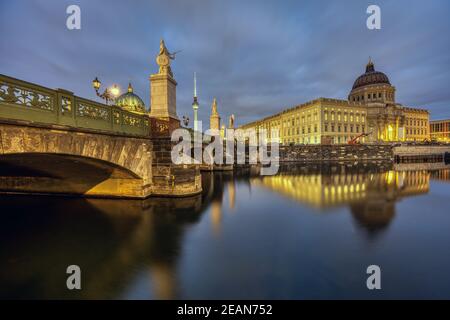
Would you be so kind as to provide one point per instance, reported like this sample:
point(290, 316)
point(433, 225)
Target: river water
point(309, 232)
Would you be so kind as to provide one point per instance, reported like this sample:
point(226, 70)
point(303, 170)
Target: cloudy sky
point(256, 57)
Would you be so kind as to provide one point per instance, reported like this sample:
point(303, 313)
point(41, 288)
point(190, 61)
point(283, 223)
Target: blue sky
point(256, 57)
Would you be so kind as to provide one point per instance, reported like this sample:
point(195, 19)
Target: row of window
point(332, 127)
point(416, 131)
point(346, 128)
point(440, 127)
point(296, 121)
point(316, 140)
point(416, 122)
point(345, 116)
point(372, 96)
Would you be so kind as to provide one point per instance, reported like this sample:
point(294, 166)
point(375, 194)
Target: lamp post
point(108, 94)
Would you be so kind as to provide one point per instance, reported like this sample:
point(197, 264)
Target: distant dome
point(130, 101)
point(371, 77)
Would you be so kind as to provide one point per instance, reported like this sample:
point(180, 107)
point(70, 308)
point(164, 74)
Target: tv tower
point(195, 104)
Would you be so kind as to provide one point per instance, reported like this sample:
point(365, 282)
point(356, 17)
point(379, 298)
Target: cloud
point(256, 57)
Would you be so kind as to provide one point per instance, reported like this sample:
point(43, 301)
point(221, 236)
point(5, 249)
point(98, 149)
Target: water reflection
point(108, 239)
point(123, 244)
point(371, 191)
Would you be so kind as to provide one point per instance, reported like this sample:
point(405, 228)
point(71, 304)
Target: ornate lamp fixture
point(108, 95)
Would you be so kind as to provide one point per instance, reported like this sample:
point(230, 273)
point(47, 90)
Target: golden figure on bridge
point(163, 59)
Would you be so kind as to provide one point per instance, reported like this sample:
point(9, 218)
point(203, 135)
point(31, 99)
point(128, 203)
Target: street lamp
point(108, 95)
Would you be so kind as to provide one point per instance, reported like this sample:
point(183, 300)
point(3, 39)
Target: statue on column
point(231, 122)
point(163, 59)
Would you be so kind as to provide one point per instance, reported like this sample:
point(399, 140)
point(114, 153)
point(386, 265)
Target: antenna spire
point(195, 84)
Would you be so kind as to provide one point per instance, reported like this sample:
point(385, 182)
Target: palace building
point(369, 115)
point(440, 130)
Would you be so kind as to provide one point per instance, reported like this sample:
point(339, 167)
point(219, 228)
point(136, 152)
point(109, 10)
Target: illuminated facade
point(370, 113)
point(440, 130)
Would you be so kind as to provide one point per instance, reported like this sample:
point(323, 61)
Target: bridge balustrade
point(24, 101)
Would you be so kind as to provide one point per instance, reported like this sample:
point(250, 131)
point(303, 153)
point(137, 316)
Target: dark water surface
point(305, 233)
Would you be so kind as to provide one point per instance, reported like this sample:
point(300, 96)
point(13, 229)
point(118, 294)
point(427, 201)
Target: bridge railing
point(20, 100)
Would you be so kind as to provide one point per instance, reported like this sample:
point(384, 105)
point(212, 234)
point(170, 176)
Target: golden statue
point(163, 59)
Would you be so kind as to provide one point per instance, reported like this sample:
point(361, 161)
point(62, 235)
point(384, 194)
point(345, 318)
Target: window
point(351, 117)
point(326, 115)
point(339, 116)
point(315, 128)
point(351, 128)
point(326, 128)
point(332, 115)
point(345, 128)
point(332, 128)
point(339, 128)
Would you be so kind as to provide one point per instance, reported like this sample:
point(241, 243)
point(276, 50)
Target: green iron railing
point(20, 100)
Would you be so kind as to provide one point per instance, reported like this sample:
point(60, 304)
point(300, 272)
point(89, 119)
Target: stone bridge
point(52, 141)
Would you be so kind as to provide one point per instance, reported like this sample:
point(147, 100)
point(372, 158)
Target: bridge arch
point(61, 161)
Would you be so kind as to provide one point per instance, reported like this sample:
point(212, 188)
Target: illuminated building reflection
point(369, 193)
point(321, 191)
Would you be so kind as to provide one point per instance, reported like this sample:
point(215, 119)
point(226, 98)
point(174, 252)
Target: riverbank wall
point(336, 153)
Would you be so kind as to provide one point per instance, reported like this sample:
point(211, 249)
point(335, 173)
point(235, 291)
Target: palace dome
point(371, 77)
point(130, 101)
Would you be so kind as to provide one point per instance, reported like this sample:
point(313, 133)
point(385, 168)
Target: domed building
point(130, 101)
point(372, 86)
point(370, 114)
point(386, 119)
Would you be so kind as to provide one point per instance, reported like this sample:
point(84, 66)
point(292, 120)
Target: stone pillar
point(163, 96)
point(163, 104)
